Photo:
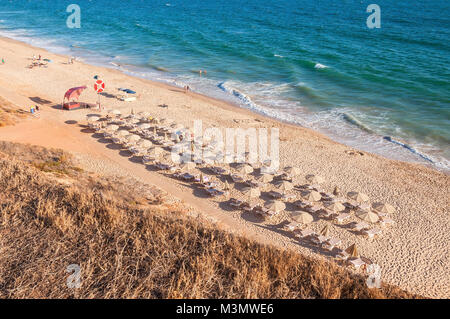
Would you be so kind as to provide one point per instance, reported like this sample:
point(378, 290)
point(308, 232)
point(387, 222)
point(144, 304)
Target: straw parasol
point(325, 231)
point(122, 133)
point(132, 138)
point(144, 143)
point(264, 178)
point(144, 126)
point(314, 179)
point(285, 186)
point(111, 128)
point(302, 217)
point(368, 216)
point(114, 112)
point(188, 166)
point(293, 171)
point(311, 196)
point(357, 196)
point(251, 192)
point(244, 169)
point(352, 251)
point(93, 118)
point(154, 151)
point(335, 206)
point(275, 205)
point(383, 208)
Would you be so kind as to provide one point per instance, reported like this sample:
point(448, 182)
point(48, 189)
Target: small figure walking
point(3, 60)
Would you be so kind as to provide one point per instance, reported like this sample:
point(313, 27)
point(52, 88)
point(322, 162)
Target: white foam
point(320, 66)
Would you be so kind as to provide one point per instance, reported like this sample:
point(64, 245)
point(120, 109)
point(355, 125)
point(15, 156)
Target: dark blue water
point(310, 62)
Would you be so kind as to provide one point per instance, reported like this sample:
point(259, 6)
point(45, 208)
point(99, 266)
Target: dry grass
point(9, 114)
point(128, 248)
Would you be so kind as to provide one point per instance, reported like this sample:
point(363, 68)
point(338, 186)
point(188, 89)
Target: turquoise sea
point(310, 62)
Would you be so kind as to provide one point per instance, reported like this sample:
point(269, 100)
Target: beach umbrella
point(264, 178)
point(267, 170)
point(155, 151)
point(251, 192)
point(335, 206)
point(314, 179)
point(383, 208)
point(285, 186)
point(188, 166)
point(111, 128)
point(325, 231)
point(244, 169)
point(74, 93)
point(122, 133)
point(357, 196)
point(352, 251)
point(302, 217)
point(275, 205)
point(132, 138)
point(144, 143)
point(114, 112)
point(93, 118)
point(311, 196)
point(144, 126)
point(293, 171)
point(368, 216)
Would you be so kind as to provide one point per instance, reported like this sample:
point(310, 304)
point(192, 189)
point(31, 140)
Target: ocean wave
point(320, 66)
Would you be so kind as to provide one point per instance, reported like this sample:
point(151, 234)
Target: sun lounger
point(342, 254)
point(384, 221)
point(318, 239)
point(371, 233)
point(305, 233)
point(293, 227)
point(275, 195)
point(359, 227)
point(357, 263)
point(214, 192)
point(342, 217)
point(331, 243)
point(236, 178)
point(236, 203)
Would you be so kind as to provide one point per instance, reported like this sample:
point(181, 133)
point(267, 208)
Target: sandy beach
point(413, 254)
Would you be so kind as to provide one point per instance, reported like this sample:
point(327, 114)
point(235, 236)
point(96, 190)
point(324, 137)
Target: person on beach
point(3, 61)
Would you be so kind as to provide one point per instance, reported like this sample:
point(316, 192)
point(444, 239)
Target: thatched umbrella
point(114, 112)
point(92, 118)
point(188, 166)
point(154, 151)
point(132, 138)
point(111, 128)
point(122, 133)
point(314, 179)
point(352, 251)
point(335, 206)
point(368, 216)
point(144, 126)
point(144, 143)
point(264, 178)
point(302, 217)
point(383, 208)
point(251, 192)
point(285, 186)
point(325, 231)
point(244, 169)
point(275, 205)
point(311, 196)
point(293, 171)
point(357, 196)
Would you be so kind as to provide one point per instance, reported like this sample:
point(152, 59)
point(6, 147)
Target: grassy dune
point(133, 246)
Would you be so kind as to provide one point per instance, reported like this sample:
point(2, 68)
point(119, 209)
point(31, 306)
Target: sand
point(413, 254)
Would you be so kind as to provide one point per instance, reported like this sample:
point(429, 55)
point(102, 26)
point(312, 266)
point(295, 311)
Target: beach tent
point(72, 95)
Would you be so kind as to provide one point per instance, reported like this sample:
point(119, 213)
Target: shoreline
point(417, 157)
point(412, 254)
